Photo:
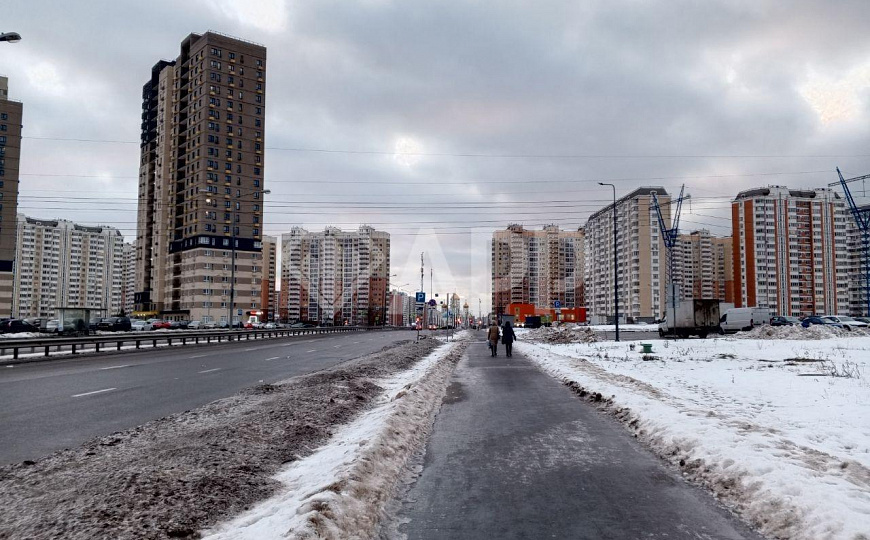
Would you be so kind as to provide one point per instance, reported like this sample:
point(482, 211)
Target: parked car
point(270, 326)
point(847, 322)
point(93, 323)
point(16, 326)
point(178, 325)
point(194, 325)
point(115, 324)
point(139, 325)
point(814, 319)
point(209, 325)
point(52, 327)
point(784, 320)
point(863, 319)
point(159, 324)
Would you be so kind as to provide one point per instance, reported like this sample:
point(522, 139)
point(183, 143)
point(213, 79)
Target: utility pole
point(615, 264)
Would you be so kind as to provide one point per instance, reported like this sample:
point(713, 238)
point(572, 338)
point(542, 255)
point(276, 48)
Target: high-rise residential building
point(704, 266)
point(129, 281)
point(790, 251)
point(399, 313)
point(62, 264)
point(201, 181)
point(857, 266)
point(640, 252)
point(268, 285)
point(336, 277)
point(723, 268)
point(10, 158)
point(537, 267)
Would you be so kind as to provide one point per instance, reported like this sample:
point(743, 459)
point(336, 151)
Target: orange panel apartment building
point(789, 251)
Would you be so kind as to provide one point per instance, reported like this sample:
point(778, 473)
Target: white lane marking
point(273, 358)
point(10, 366)
point(114, 367)
point(336, 346)
point(210, 370)
point(312, 350)
point(94, 392)
point(197, 356)
point(355, 342)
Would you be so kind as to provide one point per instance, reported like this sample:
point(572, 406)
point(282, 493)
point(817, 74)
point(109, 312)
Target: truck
point(532, 321)
point(690, 317)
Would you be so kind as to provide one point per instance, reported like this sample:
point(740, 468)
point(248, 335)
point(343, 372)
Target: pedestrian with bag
point(508, 337)
point(492, 337)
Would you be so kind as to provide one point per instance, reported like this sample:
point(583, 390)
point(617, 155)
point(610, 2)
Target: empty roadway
point(49, 406)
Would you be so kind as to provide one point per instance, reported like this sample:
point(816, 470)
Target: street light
point(233, 252)
point(615, 263)
point(11, 37)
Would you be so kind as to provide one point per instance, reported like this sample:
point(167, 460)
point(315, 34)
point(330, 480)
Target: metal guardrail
point(179, 337)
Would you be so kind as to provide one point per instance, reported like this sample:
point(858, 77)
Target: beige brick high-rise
point(10, 156)
point(536, 267)
point(200, 178)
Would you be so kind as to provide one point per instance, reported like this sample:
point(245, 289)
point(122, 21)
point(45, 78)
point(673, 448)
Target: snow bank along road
point(777, 428)
point(172, 477)
point(49, 406)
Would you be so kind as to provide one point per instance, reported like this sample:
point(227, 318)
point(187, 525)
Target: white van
point(744, 318)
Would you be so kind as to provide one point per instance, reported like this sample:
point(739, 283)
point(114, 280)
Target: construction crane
point(670, 235)
point(862, 220)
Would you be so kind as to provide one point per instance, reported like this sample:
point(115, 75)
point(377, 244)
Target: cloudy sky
point(441, 121)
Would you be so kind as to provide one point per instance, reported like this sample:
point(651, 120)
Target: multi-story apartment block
point(336, 277)
point(790, 251)
point(723, 268)
point(537, 267)
point(62, 264)
point(201, 181)
point(857, 266)
point(129, 282)
point(268, 285)
point(10, 156)
point(398, 314)
point(640, 252)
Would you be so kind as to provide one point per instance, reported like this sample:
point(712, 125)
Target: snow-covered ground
point(344, 485)
point(624, 327)
point(771, 426)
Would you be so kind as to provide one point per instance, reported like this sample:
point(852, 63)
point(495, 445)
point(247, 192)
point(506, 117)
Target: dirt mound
point(559, 335)
point(815, 331)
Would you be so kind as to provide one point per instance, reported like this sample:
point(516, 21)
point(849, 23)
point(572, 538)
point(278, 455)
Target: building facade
point(537, 267)
point(640, 252)
point(336, 277)
point(129, 279)
point(10, 158)
point(62, 264)
point(790, 252)
point(857, 266)
point(201, 181)
point(268, 283)
point(399, 309)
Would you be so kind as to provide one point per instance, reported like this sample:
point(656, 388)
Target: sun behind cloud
point(266, 15)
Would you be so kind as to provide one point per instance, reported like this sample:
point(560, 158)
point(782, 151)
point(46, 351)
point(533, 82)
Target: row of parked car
point(838, 321)
point(122, 324)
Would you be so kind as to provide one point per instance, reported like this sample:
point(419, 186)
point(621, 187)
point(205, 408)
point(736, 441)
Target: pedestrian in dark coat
point(508, 337)
point(492, 337)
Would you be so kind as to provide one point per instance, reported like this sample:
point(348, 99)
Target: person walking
point(492, 337)
point(508, 337)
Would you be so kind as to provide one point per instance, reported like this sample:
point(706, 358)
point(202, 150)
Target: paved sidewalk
point(515, 454)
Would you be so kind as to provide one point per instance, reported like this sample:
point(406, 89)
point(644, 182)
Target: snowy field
point(778, 429)
point(624, 327)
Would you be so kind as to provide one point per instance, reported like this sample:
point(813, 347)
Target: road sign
point(240, 311)
point(432, 303)
point(421, 297)
point(557, 304)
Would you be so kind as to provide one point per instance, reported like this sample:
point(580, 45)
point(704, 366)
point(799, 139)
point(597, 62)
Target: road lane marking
point(114, 367)
point(336, 346)
point(197, 356)
point(355, 342)
point(210, 370)
point(94, 392)
point(273, 358)
point(312, 350)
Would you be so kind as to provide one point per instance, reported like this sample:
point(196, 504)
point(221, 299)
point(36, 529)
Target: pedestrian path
point(515, 454)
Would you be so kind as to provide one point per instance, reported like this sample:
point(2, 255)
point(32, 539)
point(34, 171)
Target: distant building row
point(794, 251)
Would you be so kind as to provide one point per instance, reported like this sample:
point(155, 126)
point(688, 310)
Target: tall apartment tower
point(268, 288)
point(857, 283)
point(790, 251)
point(336, 277)
point(63, 264)
point(723, 268)
point(201, 180)
point(10, 159)
point(537, 267)
point(129, 279)
point(640, 252)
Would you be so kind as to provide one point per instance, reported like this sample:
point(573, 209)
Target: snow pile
point(636, 327)
point(340, 490)
point(816, 331)
point(560, 334)
point(763, 424)
point(24, 335)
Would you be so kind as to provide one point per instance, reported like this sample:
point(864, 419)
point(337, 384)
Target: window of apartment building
point(216, 52)
point(4, 116)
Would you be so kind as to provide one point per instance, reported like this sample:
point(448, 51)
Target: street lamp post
point(11, 37)
point(615, 263)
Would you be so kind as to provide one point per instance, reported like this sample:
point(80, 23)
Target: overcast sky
point(442, 121)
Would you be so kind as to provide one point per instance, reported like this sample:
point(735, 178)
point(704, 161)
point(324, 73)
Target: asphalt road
point(515, 454)
point(49, 406)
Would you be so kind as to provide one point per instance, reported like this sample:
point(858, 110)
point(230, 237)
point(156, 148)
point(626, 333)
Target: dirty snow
point(339, 490)
point(763, 423)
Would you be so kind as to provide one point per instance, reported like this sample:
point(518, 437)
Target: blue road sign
point(421, 297)
point(433, 303)
point(557, 304)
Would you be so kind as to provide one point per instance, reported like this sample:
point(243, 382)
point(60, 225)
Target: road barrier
point(76, 345)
